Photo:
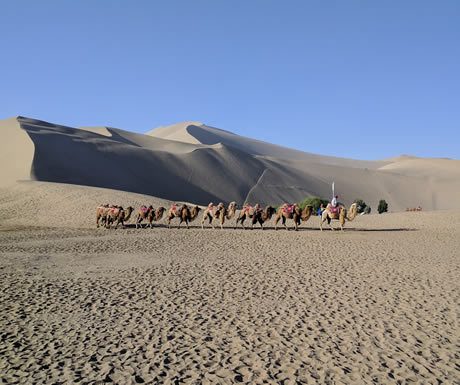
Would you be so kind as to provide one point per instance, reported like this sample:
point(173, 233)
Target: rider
point(334, 201)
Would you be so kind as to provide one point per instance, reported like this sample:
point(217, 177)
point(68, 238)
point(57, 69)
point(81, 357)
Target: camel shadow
point(271, 228)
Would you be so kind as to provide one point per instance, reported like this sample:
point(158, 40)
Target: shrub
point(313, 201)
point(383, 206)
point(361, 205)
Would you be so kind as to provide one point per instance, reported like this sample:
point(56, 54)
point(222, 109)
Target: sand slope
point(197, 163)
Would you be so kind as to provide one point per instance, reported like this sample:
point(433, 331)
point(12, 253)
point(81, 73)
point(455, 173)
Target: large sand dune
point(197, 163)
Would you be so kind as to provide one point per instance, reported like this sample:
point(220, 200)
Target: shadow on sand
point(271, 228)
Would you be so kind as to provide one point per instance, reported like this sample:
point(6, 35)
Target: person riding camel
point(334, 201)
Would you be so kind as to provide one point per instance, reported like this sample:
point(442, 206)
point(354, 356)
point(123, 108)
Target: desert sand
point(194, 162)
point(375, 304)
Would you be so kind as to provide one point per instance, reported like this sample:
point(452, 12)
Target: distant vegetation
point(361, 206)
point(313, 201)
point(383, 206)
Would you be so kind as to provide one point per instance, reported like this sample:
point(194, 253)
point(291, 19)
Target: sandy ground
point(378, 303)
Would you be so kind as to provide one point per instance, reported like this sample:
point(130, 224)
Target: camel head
point(194, 212)
point(269, 212)
point(306, 212)
point(127, 213)
point(159, 213)
point(352, 212)
point(231, 210)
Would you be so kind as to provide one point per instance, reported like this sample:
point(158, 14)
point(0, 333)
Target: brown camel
point(263, 216)
point(143, 213)
point(246, 212)
point(218, 212)
point(292, 211)
point(184, 213)
point(156, 215)
point(118, 214)
point(101, 213)
point(255, 214)
point(341, 214)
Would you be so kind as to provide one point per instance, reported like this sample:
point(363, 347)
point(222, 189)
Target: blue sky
point(360, 79)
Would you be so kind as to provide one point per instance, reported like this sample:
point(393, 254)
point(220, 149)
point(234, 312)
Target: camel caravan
point(112, 215)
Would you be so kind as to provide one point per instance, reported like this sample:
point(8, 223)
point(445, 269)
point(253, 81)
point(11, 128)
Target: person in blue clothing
point(320, 210)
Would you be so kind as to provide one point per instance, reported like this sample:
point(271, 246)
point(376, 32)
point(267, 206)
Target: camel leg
point(329, 221)
point(284, 222)
point(261, 223)
point(210, 221)
point(277, 219)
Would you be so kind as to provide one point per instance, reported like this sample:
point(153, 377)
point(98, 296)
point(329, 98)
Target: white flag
point(333, 189)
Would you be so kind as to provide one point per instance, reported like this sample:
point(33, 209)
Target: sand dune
point(194, 162)
point(375, 304)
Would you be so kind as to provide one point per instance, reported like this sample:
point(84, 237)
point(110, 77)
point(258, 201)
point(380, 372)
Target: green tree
point(383, 206)
point(313, 201)
point(361, 205)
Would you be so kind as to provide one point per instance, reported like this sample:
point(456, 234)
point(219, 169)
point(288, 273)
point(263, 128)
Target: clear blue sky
point(360, 79)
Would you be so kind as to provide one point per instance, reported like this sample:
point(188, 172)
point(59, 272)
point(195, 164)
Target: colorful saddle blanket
point(334, 210)
point(289, 209)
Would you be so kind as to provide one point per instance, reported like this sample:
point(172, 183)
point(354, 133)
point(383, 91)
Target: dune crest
point(191, 161)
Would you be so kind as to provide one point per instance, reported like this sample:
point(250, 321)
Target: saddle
point(114, 211)
point(334, 210)
point(289, 209)
point(144, 209)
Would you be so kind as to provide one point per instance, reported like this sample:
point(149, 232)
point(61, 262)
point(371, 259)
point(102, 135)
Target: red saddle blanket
point(289, 209)
point(334, 210)
point(144, 209)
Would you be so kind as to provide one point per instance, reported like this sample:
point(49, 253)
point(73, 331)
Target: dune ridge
point(193, 162)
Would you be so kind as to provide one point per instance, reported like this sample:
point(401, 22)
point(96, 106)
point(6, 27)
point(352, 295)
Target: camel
point(218, 212)
point(156, 215)
point(118, 214)
point(292, 211)
point(246, 212)
point(341, 214)
point(101, 213)
point(144, 213)
point(256, 214)
point(418, 208)
point(184, 213)
point(263, 216)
